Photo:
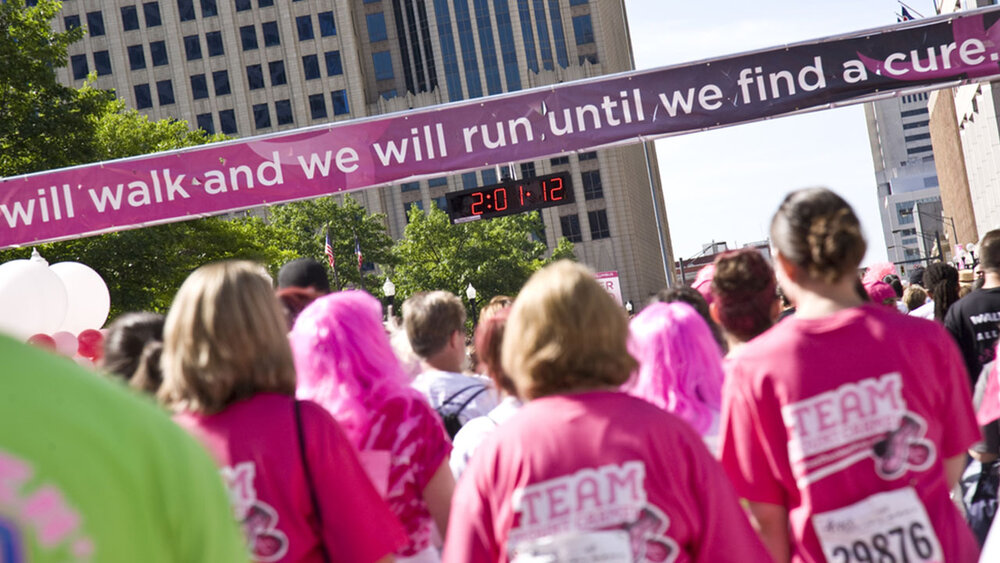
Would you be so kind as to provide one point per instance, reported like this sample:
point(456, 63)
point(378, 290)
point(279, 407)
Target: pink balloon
point(43, 341)
point(91, 344)
point(66, 343)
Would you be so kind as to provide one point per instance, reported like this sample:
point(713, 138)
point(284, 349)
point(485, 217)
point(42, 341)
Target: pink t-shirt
point(846, 421)
point(593, 461)
point(411, 440)
point(255, 441)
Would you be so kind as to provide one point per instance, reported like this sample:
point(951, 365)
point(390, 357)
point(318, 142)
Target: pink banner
point(623, 108)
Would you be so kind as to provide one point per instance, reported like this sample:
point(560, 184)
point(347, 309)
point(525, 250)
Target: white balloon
point(32, 298)
point(89, 300)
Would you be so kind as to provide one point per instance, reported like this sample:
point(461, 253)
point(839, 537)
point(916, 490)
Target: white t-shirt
point(456, 388)
point(477, 430)
point(925, 311)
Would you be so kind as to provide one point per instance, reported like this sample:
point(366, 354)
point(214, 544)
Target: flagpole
point(905, 5)
point(333, 261)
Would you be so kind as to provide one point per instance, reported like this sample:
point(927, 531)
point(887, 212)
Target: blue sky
point(725, 184)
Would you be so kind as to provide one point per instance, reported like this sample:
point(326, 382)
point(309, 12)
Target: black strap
point(450, 399)
point(300, 435)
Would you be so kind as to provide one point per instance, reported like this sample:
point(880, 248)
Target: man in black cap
point(304, 273)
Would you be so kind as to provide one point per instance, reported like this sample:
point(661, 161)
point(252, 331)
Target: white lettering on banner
point(853, 422)
point(889, 526)
point(610, 497)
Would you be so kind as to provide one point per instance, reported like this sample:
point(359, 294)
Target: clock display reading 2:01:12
point(510, 197)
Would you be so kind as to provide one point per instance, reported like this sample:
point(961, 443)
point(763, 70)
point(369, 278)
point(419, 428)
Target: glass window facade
point(227, 121)
point(102, 63)
point(571, 228)
point(220, 79)
point(136, 57)
point(143, 98)
point(505, 29)
point(467, 40)
point(271, 35)
point(213, 39)
point(339, 99)
point(376, 27)
point(599, 224)
point(248, 37)
point(185, 9)
point(95, 23)
point(524, 11)
point(79, 65)
point(283, 112)
point(484, 26)
point(192, 47)
point(583, 29)
point(382, 60)
point(209, 8)
point(158, 53)
point(437, 182)
point(542, 26)
point(130, 18)
point(327, 26)
point(409, 186)
point(261, 116)
point(304, 25)
point(71, 22)
point(206, 123)
point(310, 67)
point(199, 86)
point(317, 106)
point(449, 57)
point(277, 71)
point(255, 77)
point(592, 186)
point(333, 65)
point(557, 34)
point(151, 11)
point(165, 92)
point(242, 5)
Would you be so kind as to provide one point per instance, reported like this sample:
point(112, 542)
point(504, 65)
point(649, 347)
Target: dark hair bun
point(818, 231)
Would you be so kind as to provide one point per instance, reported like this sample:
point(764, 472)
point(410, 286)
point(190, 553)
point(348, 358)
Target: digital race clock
point(508, 198)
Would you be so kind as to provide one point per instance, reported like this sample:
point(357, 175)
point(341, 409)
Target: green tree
point(496, 256)
point(43, 124)
point(307, 222)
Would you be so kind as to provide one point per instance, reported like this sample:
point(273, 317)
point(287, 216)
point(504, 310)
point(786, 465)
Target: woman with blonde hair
point(228, 374)
point(346, 364)
point(584, 471)
point(844, 438)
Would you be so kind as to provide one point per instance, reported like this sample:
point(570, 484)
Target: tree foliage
point(307, 222)
point(43, 124)
point(496, 256)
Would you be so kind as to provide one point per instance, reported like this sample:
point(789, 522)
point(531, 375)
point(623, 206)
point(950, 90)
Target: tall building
point(906, 178)
point(246, 67)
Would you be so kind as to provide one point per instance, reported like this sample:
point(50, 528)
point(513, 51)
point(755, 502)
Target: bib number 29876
point(890, 527)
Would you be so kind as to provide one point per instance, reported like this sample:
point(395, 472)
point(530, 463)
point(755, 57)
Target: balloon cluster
point(60, 307)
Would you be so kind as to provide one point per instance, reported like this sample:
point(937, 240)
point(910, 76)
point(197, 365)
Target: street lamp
point(470, 292)
point(389, 290)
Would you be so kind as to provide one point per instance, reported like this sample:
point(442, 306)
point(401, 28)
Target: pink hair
point(679, 366)
point(703, 282)
point(344, 360)
point(878, 272)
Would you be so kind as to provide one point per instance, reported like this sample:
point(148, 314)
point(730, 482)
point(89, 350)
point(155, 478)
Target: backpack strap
point(309, 480)
point(456, 394)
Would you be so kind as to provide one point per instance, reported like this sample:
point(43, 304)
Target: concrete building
point(247, 67)
point(906, 177)
point(964, 124)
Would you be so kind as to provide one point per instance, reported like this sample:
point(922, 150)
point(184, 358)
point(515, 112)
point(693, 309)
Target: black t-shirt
point(973, 322)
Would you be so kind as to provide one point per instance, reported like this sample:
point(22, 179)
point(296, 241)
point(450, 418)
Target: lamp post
point(936, 239)
point(389, 290)
point(470, 292)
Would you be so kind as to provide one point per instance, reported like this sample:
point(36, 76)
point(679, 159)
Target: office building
point(906, 178)
point(248, 67)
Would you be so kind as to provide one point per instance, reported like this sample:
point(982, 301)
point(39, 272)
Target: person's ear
point(713, 311)
point(790, 270)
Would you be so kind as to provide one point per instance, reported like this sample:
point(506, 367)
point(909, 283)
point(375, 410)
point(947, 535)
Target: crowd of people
point(786, 409)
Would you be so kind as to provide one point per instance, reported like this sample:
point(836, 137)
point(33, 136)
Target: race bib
point(886, 527)
point(607, 546)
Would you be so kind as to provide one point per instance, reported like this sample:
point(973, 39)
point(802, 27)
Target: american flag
point(357, 250)
point(328, 250)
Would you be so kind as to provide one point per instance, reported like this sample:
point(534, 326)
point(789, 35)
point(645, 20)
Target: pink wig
point(344, 360)
point(679, 366)
point(878, 272)
point(703, 282)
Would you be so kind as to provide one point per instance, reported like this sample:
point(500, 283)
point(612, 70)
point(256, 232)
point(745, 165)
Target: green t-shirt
point(91, 472)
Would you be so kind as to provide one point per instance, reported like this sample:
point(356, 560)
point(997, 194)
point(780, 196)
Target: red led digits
point(498, 195)
point(556, 192)
point(478, 196)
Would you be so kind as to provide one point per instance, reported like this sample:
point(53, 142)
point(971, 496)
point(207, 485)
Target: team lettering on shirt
point(608, 497)
point(259, 520)
point(40, 510)
point(835, 429)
